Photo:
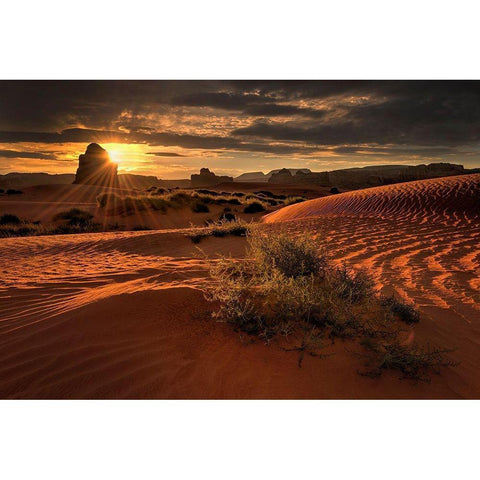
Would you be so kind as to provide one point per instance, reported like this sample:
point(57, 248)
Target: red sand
point(122, 315)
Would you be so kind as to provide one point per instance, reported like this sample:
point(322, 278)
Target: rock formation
point(96, 168)
point(353, 178)
point(283, 176)
point(206, 178)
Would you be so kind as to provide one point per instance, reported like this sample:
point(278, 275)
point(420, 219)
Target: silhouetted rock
point(206, 178)
point(96, 168)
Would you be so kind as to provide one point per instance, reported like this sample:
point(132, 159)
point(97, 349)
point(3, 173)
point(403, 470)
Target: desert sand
point(43, 202)
point(122, 314)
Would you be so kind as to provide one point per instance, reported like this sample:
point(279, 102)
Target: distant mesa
point(283, 176)
point(206, 178)
point(96, 168)
point(262, 177)
point(355, 178)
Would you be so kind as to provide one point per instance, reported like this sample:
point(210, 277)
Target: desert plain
point(121, 314)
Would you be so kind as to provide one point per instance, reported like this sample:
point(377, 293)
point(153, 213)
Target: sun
point(115, 157)
point(126, 156)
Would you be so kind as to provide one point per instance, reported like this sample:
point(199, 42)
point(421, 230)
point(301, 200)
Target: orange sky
point(170, 129)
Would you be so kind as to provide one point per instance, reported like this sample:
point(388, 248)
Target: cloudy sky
point(172, 128)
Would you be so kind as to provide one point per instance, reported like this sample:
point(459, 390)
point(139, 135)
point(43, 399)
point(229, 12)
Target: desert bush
point(197, 200)
point(334, 190)
point(293, 200)
point(285, 287)
point(353, 286)
point(404, 311)
point(179, 199)
point(265, 193)
point(2, 190)
point(254, 207)
point(9, 219)
point(24, 229)
point(199, 207)
point(293, 256)
point(12, 191)
point(413, 361)
point(159, 204)
point(207, 192)
point(75, 217)
point(222, 228)
point(227, 217)
point(157, 191)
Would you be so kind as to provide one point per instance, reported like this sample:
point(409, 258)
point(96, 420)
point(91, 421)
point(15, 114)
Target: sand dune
point(421, 239)
point(448, 199)
point(122, 315)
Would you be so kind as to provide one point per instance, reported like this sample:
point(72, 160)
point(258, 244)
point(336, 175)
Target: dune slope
point(421, 239)
point(446, 199)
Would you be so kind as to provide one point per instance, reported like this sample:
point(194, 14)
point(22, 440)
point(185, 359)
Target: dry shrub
point(289, 287)
point(293, 200)
point(254, 207)
point(222, 228)
point(351, 285)
point(293, 256)
point(75, 217)
point(9, 219)
point(403, 311)
point(413, 361)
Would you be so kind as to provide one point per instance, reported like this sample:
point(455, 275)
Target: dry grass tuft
point(288, 287)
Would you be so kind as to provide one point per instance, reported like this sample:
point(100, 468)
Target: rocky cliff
point(96, 168)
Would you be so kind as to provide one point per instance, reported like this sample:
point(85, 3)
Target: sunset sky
point(172, 128)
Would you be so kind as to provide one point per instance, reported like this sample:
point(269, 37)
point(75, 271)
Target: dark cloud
point(69, 135)
point(207, 142)
point(165, 154)
point(227, 101)
point(396, 151)
point(275, 109)
point(20, 154)
point(347, 116)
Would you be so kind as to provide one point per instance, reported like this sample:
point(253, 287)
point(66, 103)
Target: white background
point(239, 40)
